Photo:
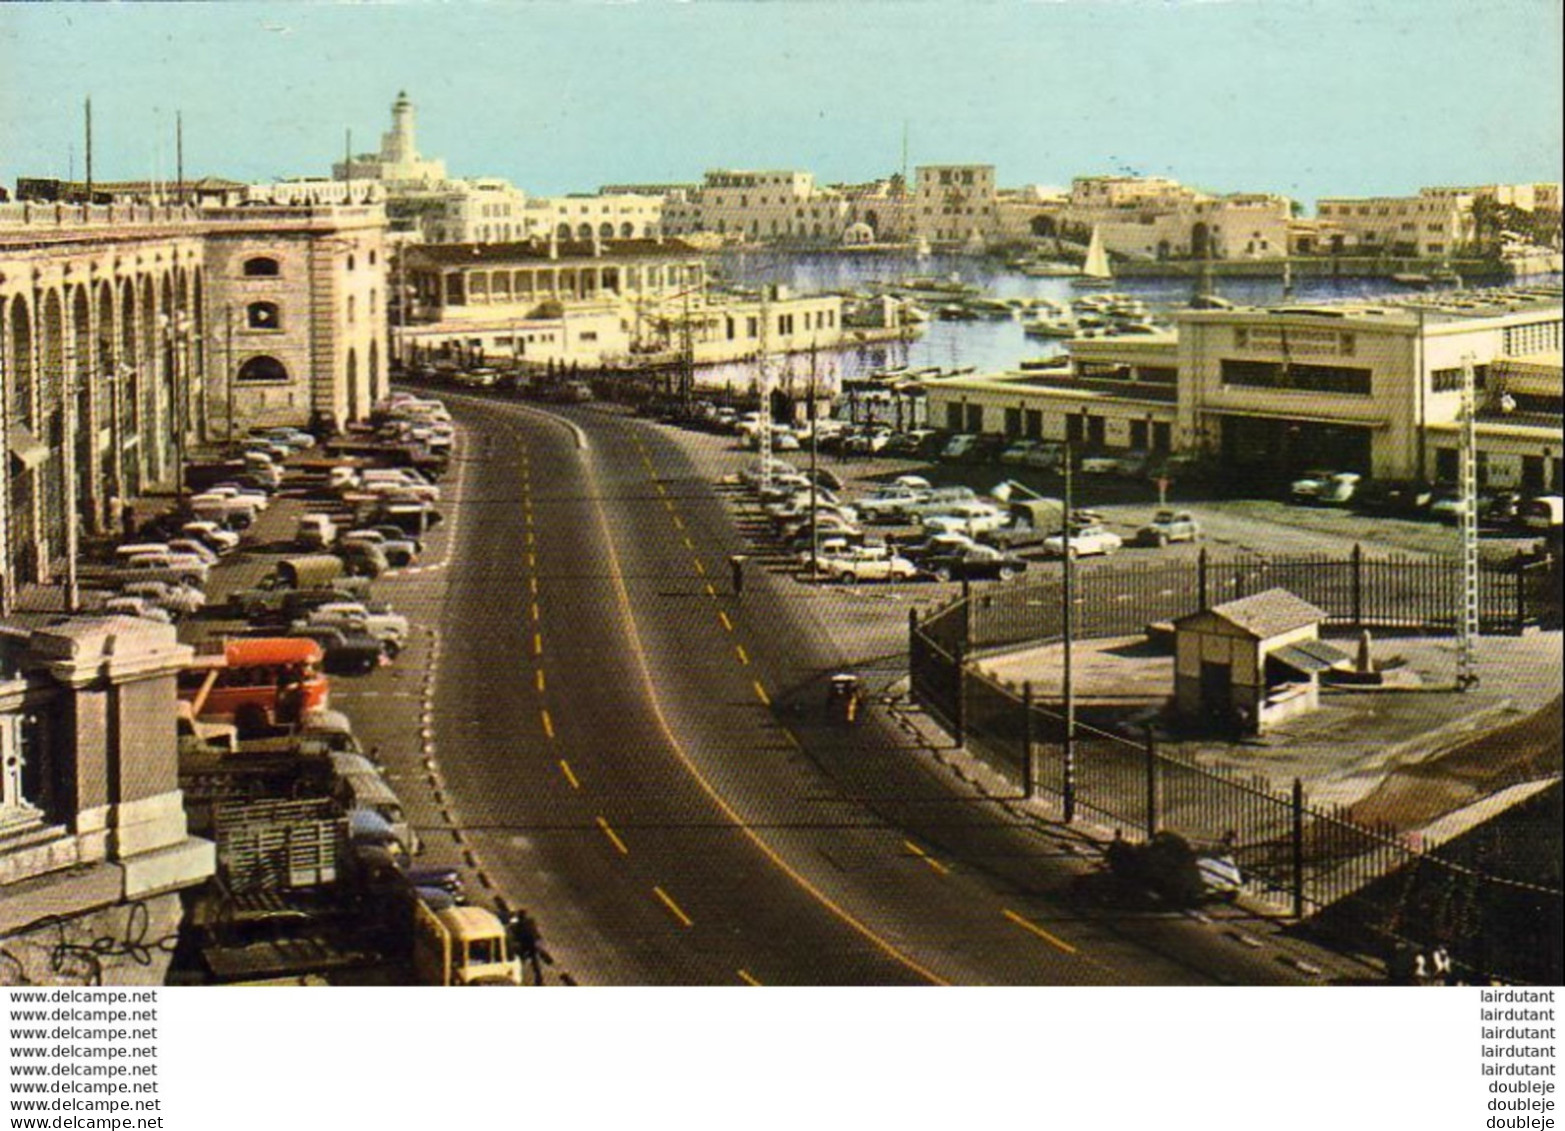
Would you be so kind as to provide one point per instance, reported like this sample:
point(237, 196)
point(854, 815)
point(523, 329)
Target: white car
point(179, 600)
point(974, 517)
point(194, 547)
point(179, 569)
point(1100, 465)
point(885, 505)
point(869, 563)
point(390, 628)
point(124, 606)
point(1083, 541)
point(216, 538)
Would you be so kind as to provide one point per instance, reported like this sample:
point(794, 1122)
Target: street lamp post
point(176, 335)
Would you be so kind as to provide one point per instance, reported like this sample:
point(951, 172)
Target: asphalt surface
point(642, 758)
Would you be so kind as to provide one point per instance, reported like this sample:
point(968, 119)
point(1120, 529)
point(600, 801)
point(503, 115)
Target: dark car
point(975, 563)
point(345, 652)
point(1394, 497)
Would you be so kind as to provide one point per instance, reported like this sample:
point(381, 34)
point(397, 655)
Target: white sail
point(1097, 265)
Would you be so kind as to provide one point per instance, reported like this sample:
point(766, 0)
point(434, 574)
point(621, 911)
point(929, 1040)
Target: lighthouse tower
point(396, 147)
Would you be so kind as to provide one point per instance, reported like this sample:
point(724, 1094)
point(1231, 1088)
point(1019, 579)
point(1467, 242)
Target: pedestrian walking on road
point(523, 929)
point(736, 567)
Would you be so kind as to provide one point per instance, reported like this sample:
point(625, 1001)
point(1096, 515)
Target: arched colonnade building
point(132, 335)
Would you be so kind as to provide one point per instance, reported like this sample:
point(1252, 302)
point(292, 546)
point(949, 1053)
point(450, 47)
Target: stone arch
point(563, 231)
point(52, 382)
point(627, 230)
point(128, 374)
point(606, 230)
point(84, 366)
point(1043, 226)
point(584, 231)
point(1200, 240)
point(21, 373)
point(354, 407)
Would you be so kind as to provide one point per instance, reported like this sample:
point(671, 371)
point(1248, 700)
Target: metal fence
point(1313, 855)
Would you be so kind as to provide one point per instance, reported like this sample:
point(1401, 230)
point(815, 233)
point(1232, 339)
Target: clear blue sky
point(1305, 98)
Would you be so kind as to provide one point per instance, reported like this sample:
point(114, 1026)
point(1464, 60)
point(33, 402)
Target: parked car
point(935, 545)
point(1332, 488)
point(1394, 497)
point(400, 551)
point(345, 651)
point(973, 517)
point(218, 539)
point(179, 569)
point(1169, 526)
point(1082, 541)
point(870, 563)
point(886, 504)
point(939, 501)
point(315, 532)
point(127, 606)
point(1546, 512)
point(179, 600)
point(390, 628)
point(1099, 465)
point(974, 563)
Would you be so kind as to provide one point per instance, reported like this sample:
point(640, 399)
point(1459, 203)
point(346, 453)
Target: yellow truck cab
point(462, 946)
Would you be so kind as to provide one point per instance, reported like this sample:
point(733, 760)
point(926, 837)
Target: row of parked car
point(947, 532)
point(1496, 508)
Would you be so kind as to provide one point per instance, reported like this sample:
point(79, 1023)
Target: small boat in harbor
point(1049, 328)
point(1095, 272)
point(1049, 269)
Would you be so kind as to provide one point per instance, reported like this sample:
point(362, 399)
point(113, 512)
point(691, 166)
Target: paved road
point(639, 756)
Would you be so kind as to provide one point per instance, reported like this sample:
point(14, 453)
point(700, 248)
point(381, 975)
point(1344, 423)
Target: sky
point(1305, 97)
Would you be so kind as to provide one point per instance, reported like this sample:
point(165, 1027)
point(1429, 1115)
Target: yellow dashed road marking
point(548, 723)
point(744, 657)
point(673, 907)
point(565, 768)
point(613, 837)
point(760, 693)
point(722, 616)
point(747, 978)
point(1028, 925)
point(926, 858)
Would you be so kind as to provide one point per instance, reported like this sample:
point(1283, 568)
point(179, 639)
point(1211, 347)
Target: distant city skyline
point(1306, 99)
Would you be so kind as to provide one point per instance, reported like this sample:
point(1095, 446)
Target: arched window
point(372, 257)
point(627, 230)
point(261, 265)
point(262, 369)
point(353, 310)
point(564, 231)
point(263, 316)
point(351, 261)
point(606, 230)
point(584, 232)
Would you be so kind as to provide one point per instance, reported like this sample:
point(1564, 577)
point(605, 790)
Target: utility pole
point(1067, 682)
point(88, 125)
point(764, 417)
point(1467, 525)
point(815, 483)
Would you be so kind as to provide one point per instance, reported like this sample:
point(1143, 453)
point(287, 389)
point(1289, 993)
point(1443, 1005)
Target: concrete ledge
point(68, 892)
point(168, 869)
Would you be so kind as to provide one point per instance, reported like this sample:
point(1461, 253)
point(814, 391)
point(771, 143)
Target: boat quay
point(1329, 267)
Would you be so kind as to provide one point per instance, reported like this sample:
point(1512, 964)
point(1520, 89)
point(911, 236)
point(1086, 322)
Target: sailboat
point(1095, 271)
